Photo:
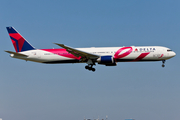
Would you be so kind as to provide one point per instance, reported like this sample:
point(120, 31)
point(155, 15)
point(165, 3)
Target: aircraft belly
point(58, 59)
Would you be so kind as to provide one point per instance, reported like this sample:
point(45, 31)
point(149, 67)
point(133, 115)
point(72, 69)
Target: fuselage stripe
point(141, 56)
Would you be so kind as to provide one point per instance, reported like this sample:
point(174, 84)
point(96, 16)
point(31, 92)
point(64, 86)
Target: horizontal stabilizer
point(18, 54)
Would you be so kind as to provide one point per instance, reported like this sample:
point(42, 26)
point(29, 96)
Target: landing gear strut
point(163, 63)
point(90, 67)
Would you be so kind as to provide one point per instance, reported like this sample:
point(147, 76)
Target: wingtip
point(59, 44)
point(6, 51)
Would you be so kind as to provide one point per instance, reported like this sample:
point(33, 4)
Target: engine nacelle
point(106, 60)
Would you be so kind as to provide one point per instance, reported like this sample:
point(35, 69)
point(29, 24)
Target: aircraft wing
point(19, 54)
point(78, 53)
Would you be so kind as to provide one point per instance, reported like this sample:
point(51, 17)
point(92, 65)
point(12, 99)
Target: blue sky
point(67, 91)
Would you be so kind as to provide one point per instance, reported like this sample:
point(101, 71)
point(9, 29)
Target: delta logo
point(145, 49)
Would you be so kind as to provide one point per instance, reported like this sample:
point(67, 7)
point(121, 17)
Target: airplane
point(108, 56)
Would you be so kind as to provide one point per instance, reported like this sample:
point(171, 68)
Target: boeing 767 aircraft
point(108, 56)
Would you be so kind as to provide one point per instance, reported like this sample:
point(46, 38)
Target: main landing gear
point(90, 67)
point(163, 62)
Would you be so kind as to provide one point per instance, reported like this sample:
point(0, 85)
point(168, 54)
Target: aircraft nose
point(173, 54)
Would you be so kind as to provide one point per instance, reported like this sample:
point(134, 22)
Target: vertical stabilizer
point(20, 44)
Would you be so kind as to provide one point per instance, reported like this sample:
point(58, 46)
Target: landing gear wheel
point(86, 67)
point(90, 68)
point(93, 69)
point(163, 63)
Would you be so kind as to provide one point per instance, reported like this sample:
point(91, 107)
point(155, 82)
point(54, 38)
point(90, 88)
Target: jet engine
point(106, 60)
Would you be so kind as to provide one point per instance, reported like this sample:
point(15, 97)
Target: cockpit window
point(169, 50)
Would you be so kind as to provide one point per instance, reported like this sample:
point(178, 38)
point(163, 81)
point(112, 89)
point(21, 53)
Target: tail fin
point(20, 44)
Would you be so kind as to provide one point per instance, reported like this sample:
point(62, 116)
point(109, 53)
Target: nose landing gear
point(163, 61)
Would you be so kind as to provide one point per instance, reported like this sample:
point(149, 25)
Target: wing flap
point(78, 53)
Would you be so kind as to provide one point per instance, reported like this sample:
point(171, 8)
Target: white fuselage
point(121, 54)
point(108, 56)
